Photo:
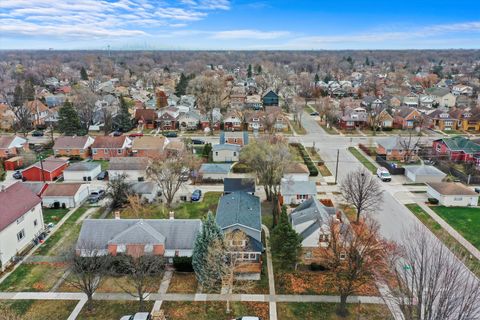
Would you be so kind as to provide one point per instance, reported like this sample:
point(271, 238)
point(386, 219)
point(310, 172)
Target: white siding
point(132, 175)
point(225, 156)
point(70, 202)
point(296, 176)
point(79, 175)
point(452, 201)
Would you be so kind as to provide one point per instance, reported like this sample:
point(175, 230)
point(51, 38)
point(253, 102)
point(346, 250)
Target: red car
point(133, 135)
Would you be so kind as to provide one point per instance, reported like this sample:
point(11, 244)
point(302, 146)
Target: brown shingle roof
point(5, 141)
point(50, 164)
point(109, 142)
point(451, 189)
point(16, 200)
point(148, 142)
point(62, 189)
point(128, 163)
point(75, 142)
point(145, 114)
point(33, 106)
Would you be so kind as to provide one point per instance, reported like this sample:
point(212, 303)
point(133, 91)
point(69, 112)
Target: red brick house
point(106, 147)
point(11, 146)
point(52, 169)
point(354, 118)
point(167, 121)
point(149, 146)
point(406, 118)
point(146, 117)
point(73, 146)
point(457, 149)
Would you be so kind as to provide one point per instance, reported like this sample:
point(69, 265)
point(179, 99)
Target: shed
point(65, 195)
point(424, 174)
point(13, 163)
point(215, 171)
point(49, 169)
point(452, 194)
point(82, 171)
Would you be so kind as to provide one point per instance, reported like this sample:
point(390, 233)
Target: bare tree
point(88, 266)
point(430, 282)
point(107, 118)
point(84, 102)
point(355, 255)
point(375, 117)
point(360, 189)
point(410, 144)
point(170, 173)
point(118, 190)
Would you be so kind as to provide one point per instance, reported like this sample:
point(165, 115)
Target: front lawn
point(360, 157)
point(297, 128)
point(326, 311)
point(33, 277)
point(53, 215)
point(41, 309)
point(113, 310)
point(213, 310)
point(466, 220)
point(183, 282)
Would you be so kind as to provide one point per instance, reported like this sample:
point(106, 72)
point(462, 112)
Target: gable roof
point(149, 142)
point(49, 164)
point(35, 106)
point(310, 216)
point(16, 200)
point(451, 189)
point(83, 166)
point(288, 187)
point(5, 141)
point(143, 187)
point(238, 184)
point(215, 168)
point(109, 142)
point(459, 143)
point(226, 146)
point(138, 233)
point(128, 163)
point(145, 114)
point(71, 142)
point(424, 170)
point(36, 187)
point(239, 208)
point(62, 189)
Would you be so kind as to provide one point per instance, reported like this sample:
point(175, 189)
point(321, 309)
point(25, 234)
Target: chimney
point(172, 215)
point(117, 215)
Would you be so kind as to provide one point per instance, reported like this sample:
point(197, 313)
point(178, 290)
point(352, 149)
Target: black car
point(103, 175)
point(116, 133)
point(198, 141)
point(37, 133)
point(170, 134)
point(314, 113)
point(17, 175)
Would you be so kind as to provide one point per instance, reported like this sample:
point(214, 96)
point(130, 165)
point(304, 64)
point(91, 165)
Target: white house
point(21, 221)
point(460, 89)
point(296, 171)
point(295, 192)
point(451, 194)
point(424, 174)
point(82, 171)
point(226, 152)
point(135, 168)
point(65, 195)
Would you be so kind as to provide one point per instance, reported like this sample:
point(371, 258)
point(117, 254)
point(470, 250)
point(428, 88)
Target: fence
point(446, 167)
point(381, 160)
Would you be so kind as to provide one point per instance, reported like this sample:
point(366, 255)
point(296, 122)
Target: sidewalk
point(454, 233)
point(271, 278)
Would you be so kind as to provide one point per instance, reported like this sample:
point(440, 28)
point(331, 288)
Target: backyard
point(53, 215)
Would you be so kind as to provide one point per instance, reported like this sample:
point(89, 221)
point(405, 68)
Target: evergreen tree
point(83, 74)
point(123, 120)
point(286, 243)
point(18, 98)
point(206, 238)
point(249, 71)
point(207, 149)
point(258, 69)
point(68, 120)
point(181, 87)
point(328, 78)
point(317, 78)
point(29, 91)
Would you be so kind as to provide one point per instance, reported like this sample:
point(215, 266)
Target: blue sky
point(239, 24)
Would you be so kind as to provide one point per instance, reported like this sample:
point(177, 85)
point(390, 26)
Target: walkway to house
point(271, 280)
point(454, 233)
point(167, 277)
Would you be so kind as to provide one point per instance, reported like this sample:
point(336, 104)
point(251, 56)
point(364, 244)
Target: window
point(457, 199)
point(21, 235)
point(216, 153)
point(94, 151)
point(253, 256)
point(121, 248)
point(439, 147)
point(19, 220)
point(238, 243)
point(323, 238)
point(235, 140)
point(308, 255)
point(67, 151)
point(148, 248)
point(35, 222)
point(343, 255)
point(119, 151)
point(105, 150)
point(234, 153)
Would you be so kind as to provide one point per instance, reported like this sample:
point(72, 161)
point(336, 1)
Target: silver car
point(138, 316)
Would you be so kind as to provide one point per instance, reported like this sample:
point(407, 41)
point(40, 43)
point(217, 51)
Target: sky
point(239, 24)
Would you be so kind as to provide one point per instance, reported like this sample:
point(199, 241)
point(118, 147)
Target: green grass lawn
point(41, 309)
point(460, 251)
point(53, 215)
point(103, 163)
point(326, 311)
point(465, 220)
point(213, 310)
point(32, 278)
point(113, 310)
point(329, 130)
point(367, 163)
point(297, 128)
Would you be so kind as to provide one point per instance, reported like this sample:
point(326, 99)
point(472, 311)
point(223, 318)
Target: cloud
point(249, 34)
point(208, 4)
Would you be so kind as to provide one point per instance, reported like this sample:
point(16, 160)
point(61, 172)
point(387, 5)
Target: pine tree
point(286, 243)
point(123, 120)
point(18, 98)
point(181, 87)
point(29, 91)
point(68, 120)
point(258, 69)
point(208, 236)
point(83, 74)
point(249, 71)
point(367, 62)
point(317, 78)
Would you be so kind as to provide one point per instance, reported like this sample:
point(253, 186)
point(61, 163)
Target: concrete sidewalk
point(271, 278)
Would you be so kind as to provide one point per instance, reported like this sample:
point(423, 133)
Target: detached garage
point(65, 195)
point(424, 174)
point(82, 171)
point(452, 194)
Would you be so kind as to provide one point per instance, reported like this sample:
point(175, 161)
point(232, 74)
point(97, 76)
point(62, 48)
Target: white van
point(383, 174)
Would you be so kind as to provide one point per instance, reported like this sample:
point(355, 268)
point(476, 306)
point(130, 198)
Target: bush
point(432, 201)
point(183, 264)
point(241, 168)
point(318, 267)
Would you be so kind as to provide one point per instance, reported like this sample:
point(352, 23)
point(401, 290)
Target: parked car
point(136, 134)
point(198, 141)
point(170, 134)
point(315, 113)
point(117, 133)
point(37, 133)
point(196, 195)
point(17, 175)
point(138, 316)
point(103, 175)
point(383, 174)
point(248, 318)
point(96, 196)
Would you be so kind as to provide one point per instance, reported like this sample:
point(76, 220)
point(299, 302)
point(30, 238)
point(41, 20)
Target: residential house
point(233, 122)
point(231, 185)
point(226, 152)
point(296, 171)
point(73, 146)
point(65, 195)
point(56, 100)
point(38, 111)
point(270, 98)
point(353, 119)
point(398, 148)
point(395, 102)
point(237, 100)
point(253, 102)
point(107, 147)
point(216, 119)
point(82, 171)
point(443, 97)
point(255, 121)
point(21, 221)
point(384, 120)
point(167, 120)
point(137, 237)
point(275, 119)
point(36, 187)
point(214, 171)
point(457, 148)
point(451, 194)
point(134, 168)
point(407, 118)
point(49, 169)
point(150, 146)
point(442, 120)
point(461, 89)
point(148, 191)
point(312, 220)
point(7, 117)
point(466, 120)
point(424, 174)
point(11, 146)
point(189, 120)
point(146, 118)
point(296, 192)
point(234, 137)
point(426, 101)
point(241, 212)
point(411, 100)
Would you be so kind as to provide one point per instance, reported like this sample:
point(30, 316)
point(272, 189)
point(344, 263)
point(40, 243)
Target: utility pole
point(336, 166)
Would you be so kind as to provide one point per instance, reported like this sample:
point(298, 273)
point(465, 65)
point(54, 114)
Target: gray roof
point(35, 187)
point(175, 234)
point(215, 168)
point(314, 212)
point(226, 146)
point(145, 187)
point(425, 170)
point(395, 143)
point(83, 166)
point(128, 163)
point(289, 187)
point(238, 184)
point(239, 208)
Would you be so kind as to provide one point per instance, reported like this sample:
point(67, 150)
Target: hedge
point(183, 264)
point(365, 149)
point(306, 159)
